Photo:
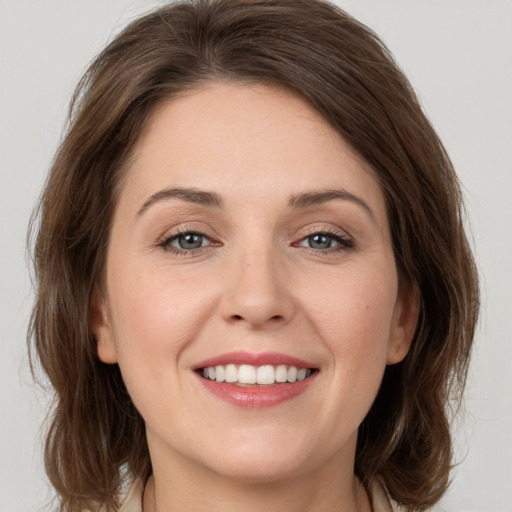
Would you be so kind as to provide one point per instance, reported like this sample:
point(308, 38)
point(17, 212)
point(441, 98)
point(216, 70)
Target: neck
point(195, 488)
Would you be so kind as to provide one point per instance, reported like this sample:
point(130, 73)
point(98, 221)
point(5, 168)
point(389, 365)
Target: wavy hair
point(345, 72)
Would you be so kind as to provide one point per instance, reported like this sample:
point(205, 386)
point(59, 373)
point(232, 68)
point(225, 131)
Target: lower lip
point(257, 397)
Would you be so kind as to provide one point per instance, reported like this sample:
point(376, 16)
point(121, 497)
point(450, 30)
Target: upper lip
point(262, 359)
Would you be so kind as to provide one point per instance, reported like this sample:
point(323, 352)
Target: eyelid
point(327, 230)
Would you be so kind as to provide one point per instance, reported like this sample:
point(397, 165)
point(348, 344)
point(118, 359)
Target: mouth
point(256, 380)
point(246, 375)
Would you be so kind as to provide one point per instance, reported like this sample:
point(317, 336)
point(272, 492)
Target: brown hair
point(346, 73)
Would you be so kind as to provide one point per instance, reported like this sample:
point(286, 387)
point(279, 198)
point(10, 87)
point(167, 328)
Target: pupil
point(319, 241)
point(190, 241)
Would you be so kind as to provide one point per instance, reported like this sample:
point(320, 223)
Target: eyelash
point(165, 243)
point(344, 243)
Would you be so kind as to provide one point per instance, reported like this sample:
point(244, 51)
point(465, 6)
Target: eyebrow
point(301, 200)
point(190, 195)
point(313, 198)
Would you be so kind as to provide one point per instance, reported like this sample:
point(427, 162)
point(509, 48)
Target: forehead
point(238, 138)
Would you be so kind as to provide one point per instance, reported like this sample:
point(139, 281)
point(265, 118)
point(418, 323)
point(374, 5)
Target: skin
point(259, 284)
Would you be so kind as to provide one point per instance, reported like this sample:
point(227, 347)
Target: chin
point(263, 460)
point(262, 469)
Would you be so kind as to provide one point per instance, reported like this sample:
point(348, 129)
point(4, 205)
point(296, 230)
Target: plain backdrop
point(458, 56)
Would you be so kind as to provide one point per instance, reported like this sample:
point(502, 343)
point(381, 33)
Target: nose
point(256, 292)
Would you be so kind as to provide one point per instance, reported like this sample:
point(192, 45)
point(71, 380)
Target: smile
point(256, 380)
point(246, 374)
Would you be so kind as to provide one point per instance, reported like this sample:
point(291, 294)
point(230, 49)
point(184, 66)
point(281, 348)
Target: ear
point(100, 324)
point(405, 319)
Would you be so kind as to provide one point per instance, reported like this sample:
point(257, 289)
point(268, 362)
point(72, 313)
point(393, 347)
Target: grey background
point(458, 55)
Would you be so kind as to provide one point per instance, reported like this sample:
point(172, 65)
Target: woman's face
point(249, 243)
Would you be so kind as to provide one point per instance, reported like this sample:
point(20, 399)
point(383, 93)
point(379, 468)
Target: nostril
point(275, 317)
point(255, 320)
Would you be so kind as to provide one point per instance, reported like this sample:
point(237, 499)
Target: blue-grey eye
point(325, 241)
point(188, 241)
point(320, 241)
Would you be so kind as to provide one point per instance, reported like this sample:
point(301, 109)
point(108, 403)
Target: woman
point(254, 287)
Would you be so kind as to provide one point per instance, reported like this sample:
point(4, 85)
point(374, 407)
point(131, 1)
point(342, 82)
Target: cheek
point(355, 302)
point(353, 315)
point(156, 315)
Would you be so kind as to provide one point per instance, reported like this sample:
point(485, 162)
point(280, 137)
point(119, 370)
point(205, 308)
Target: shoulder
point(381, 502)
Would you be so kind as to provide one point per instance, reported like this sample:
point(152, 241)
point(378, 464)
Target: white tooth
point(220, 374)
point(246, 374)
point(292, 374)
point(281, 373)
point(308, 373)
point(301, 374)
point(205, 373)
point(231, 373)
point(265, 375)
point(211, 372)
